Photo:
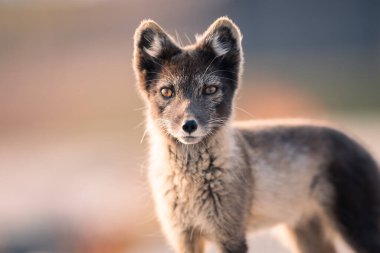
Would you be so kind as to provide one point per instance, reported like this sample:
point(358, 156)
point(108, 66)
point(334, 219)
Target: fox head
point(189, 90)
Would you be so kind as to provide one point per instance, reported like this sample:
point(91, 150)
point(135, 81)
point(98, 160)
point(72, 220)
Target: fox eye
point(166, 92)
point(209, 90)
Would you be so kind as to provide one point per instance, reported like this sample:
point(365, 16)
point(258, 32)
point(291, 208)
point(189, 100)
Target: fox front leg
point(187, 241)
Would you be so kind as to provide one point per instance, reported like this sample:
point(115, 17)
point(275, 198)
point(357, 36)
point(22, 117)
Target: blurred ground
point(72, 163)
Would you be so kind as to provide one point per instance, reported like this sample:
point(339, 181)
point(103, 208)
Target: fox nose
point(190, 126)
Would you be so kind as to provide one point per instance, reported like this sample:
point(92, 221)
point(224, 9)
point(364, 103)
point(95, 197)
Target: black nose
point(190, 126)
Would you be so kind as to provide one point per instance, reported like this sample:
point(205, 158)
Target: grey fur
point(310, 236)
point(226, 179)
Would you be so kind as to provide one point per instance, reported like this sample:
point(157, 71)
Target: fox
point(216, 180)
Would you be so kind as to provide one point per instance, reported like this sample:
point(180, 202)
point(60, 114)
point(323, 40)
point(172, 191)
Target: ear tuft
point(152, 48)
point(151, 40)
point(155, 46)
point(228, 23)
point(147, 38)
point(223, 35)
point(220, 46)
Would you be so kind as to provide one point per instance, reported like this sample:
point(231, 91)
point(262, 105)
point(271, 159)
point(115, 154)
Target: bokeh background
point(72, 162)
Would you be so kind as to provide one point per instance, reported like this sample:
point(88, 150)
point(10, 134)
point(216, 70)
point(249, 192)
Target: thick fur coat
point(213, 179)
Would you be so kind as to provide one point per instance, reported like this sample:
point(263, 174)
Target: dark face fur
point(189, 90)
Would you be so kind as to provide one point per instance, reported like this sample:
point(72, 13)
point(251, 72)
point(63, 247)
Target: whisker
point(245, 111)
point(139, 124)
point(140, 108)
point(158, 73)
point(143, 136)
point(168, 121)
point(187, 37)
point(222, 70)
point(209, 66)
point(164, 68)
point(178, 39)
point(157, 79)
point(222, 77)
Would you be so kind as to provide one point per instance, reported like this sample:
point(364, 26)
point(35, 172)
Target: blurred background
point(72, 163)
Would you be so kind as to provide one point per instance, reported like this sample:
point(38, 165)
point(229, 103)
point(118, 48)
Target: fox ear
point(152, 46)
point(223, 37)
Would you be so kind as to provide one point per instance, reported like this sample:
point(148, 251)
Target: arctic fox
point(214, 179)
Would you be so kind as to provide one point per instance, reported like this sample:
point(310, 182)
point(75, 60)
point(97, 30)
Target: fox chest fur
point(196, 189)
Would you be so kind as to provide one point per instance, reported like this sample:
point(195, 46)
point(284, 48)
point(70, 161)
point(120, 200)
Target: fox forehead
point(191, 61)
point(191, 68)
point(192, 80)
point(183, 76)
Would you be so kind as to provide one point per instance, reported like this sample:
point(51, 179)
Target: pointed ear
point(223, 37)
point(152, 46)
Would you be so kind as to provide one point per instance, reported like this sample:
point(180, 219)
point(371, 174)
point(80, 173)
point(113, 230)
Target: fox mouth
point(189, 139)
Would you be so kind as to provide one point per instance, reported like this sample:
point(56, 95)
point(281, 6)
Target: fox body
point(214, 179)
